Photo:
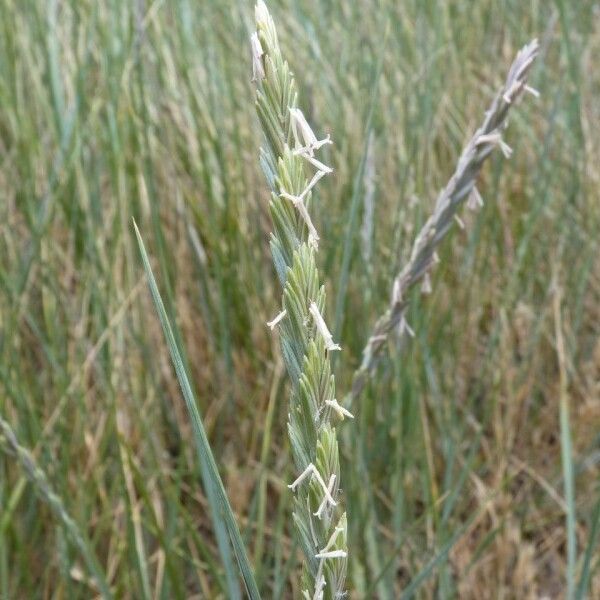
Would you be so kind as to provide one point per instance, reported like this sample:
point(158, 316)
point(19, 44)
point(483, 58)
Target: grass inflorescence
point(292, 170)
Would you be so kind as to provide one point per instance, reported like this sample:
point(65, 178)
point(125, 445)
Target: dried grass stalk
point(459, 189)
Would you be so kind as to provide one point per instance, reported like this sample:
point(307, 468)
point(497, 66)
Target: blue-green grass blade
point(566, 451)
point(222, 511)
point(569, 486)
point(584, 580)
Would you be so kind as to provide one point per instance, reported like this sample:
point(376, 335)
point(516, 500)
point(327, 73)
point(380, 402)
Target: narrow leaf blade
point(210, 474)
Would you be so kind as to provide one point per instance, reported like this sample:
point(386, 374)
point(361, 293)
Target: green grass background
point(452, 470)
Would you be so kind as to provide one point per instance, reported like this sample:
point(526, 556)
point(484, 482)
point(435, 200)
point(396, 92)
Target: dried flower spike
point(460, 186)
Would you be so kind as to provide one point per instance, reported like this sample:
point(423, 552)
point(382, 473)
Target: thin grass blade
point(566, 448)
point(584, 580)
point(221, 510)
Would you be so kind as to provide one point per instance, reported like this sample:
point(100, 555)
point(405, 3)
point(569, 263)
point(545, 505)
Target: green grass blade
point(569, 485)
point(210, 474)
point(566, 451)
point(584, 580)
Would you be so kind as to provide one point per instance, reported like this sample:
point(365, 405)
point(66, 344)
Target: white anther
point(311, 184)
point(309, 187)
point(315, 145)
point(298, 202)
point(332, 539)
point(532, 91)
point(324, 554)
point(304, 136)
point(258, 71)
point(475, 200)
point(495, 138)
point(311, 159)
point(397, 292)
point(506, 149)
point(324, 502)
point(459, 221)
point(436, 258)
point(277, 319)
point(489, 138)
point(322, 328)
point(426, 285)
point(332, 554)
point(340, 410)
point(312, 471)
point(319, 585)
point(309, 471)
point(404, 326)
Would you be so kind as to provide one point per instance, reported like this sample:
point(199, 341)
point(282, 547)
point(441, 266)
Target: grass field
point(472, 468)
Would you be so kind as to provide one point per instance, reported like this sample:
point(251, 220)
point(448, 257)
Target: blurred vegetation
point(452, 469)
